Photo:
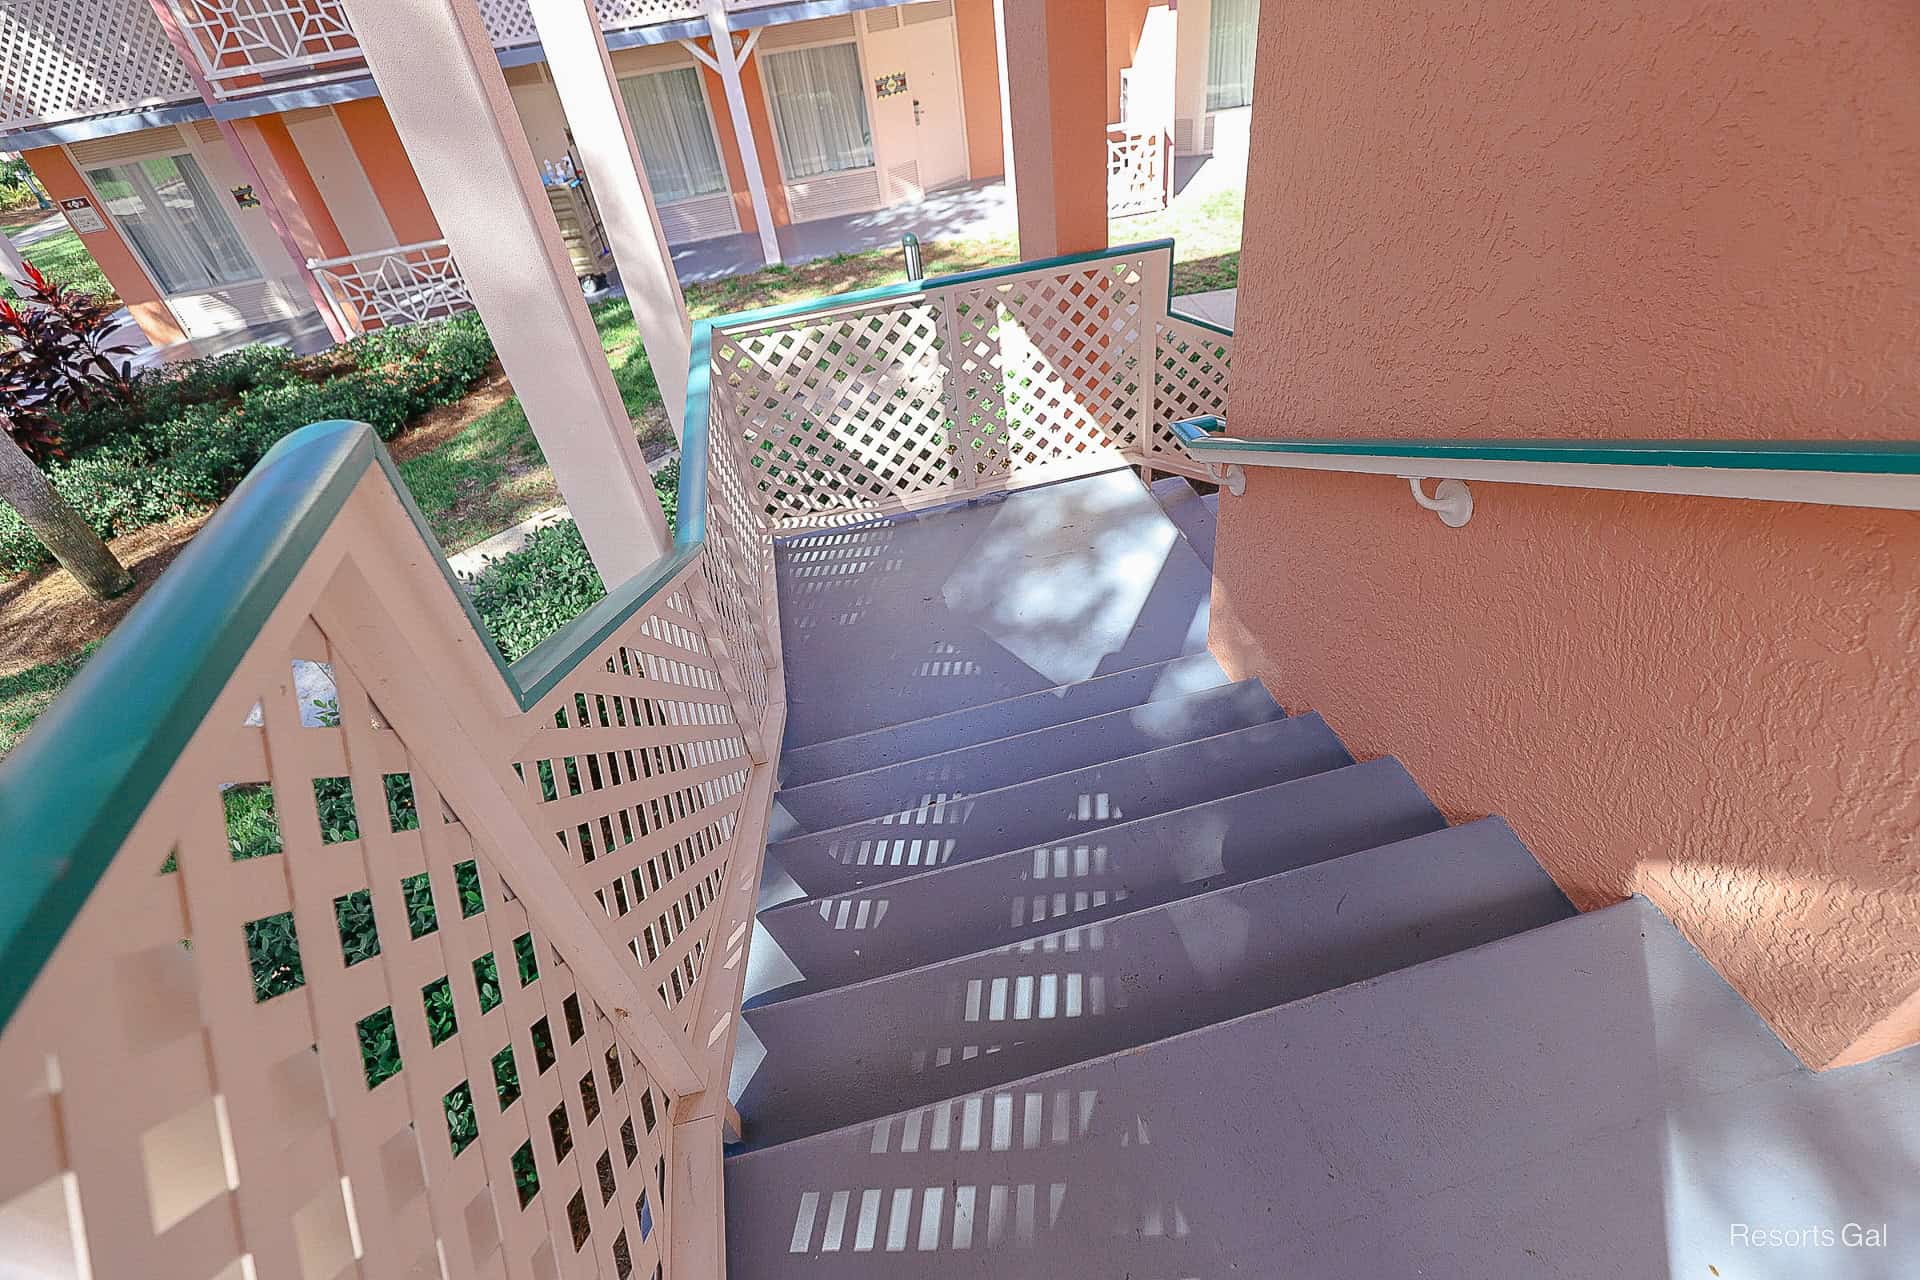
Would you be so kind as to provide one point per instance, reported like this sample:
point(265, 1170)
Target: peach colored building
point(1709, 702)
point(234, 147)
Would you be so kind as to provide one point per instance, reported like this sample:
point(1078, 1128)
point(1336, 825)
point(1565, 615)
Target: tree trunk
point(25, 488)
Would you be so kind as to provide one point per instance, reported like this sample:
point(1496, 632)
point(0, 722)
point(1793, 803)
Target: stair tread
point(972, 603)
point(911, 1038)
point(1017, 758)
point(1567, 1099)
point(970, 726)
point(946, 831)
point(815, 944)
point(1193, 513)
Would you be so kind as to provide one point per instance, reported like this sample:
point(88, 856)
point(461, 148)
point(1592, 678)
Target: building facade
point(231, 166)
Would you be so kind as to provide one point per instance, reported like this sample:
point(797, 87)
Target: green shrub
point(527, 595)
point(195, 431)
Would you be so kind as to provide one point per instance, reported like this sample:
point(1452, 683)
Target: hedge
point(193, 433)
point(527, 595)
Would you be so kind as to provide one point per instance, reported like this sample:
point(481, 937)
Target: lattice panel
point(737, 568)
point(1049, 367)
point(624, 15)
point(395, 286)
point(640, 770)
point(250, 37)
point(303, 1028)
point(65, 58)
point(838, 410)
point(1191, 370)
point(1137, 171)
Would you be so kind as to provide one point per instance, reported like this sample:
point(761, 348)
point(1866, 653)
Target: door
point(911, 59)
point(933, 85)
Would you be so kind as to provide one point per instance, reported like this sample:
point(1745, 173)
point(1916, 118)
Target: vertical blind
point(168, 209)
point(670, 122)
point(819, 109)
point(1230, 35)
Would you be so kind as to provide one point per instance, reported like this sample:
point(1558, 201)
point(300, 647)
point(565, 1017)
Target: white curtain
point(169, 210)
point(1230, 36)
point(819, 109)
point(670, 122)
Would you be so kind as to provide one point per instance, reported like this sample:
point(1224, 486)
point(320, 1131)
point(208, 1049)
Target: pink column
point(1053, 65)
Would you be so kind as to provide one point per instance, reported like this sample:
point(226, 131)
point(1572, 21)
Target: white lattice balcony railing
point(333, 945)
point(402, 285)
point(1139, 170)
point(245, 45)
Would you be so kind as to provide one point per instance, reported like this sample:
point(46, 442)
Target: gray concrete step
point(943, 831)
point(1035, 754)
point(912, 1038)
point(893, 621)
point(1586, 1100)
point(814, 945)
point(971, 726)
point(1193, 513)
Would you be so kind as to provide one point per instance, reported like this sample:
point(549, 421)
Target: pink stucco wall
point(1516, 217)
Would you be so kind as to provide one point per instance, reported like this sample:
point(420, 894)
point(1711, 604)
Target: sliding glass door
point(1230, 36)
point(819, 110)
point(675, 133)
point(171, 213)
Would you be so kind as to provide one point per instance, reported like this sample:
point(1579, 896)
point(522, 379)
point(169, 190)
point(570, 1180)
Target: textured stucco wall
point(1612, 219)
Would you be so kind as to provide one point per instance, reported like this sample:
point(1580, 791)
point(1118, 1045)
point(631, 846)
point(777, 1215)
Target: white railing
point(920, 393)
point(334, 946)
point(402, 285)
point(244, 45)
point(251, 40)
point(1139, 170)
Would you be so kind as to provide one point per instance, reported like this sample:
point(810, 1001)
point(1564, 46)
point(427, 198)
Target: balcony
point(246, 46)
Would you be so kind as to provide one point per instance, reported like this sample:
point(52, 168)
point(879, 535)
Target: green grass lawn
point(63, 259)
point(24, 695)
point(492, 475)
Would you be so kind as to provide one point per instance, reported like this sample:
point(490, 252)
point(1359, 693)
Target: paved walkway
point(977, 209)
point(1216, 307)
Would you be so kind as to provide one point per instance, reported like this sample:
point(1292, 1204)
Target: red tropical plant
point(57, 354)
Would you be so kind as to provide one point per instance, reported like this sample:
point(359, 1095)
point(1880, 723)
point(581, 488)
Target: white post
point(440, 77)
point(583, 73)
point(12, 265)
point(728, 64)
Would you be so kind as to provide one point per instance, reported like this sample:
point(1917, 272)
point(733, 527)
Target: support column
point(436, 67)
point(583, 74)
point(726, 62)
point(1053, 116)
point(1194, 20)
point(269, 195)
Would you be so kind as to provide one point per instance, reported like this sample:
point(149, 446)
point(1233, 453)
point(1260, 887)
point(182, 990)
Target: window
point(819, 110)
point(670, 122)
point(166, 207)
point(1230, 53)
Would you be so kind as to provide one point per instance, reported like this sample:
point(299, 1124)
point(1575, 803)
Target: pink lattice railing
point(919, 393)
point(343, 949)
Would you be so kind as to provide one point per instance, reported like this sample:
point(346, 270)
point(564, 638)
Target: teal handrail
point(1205, 435)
